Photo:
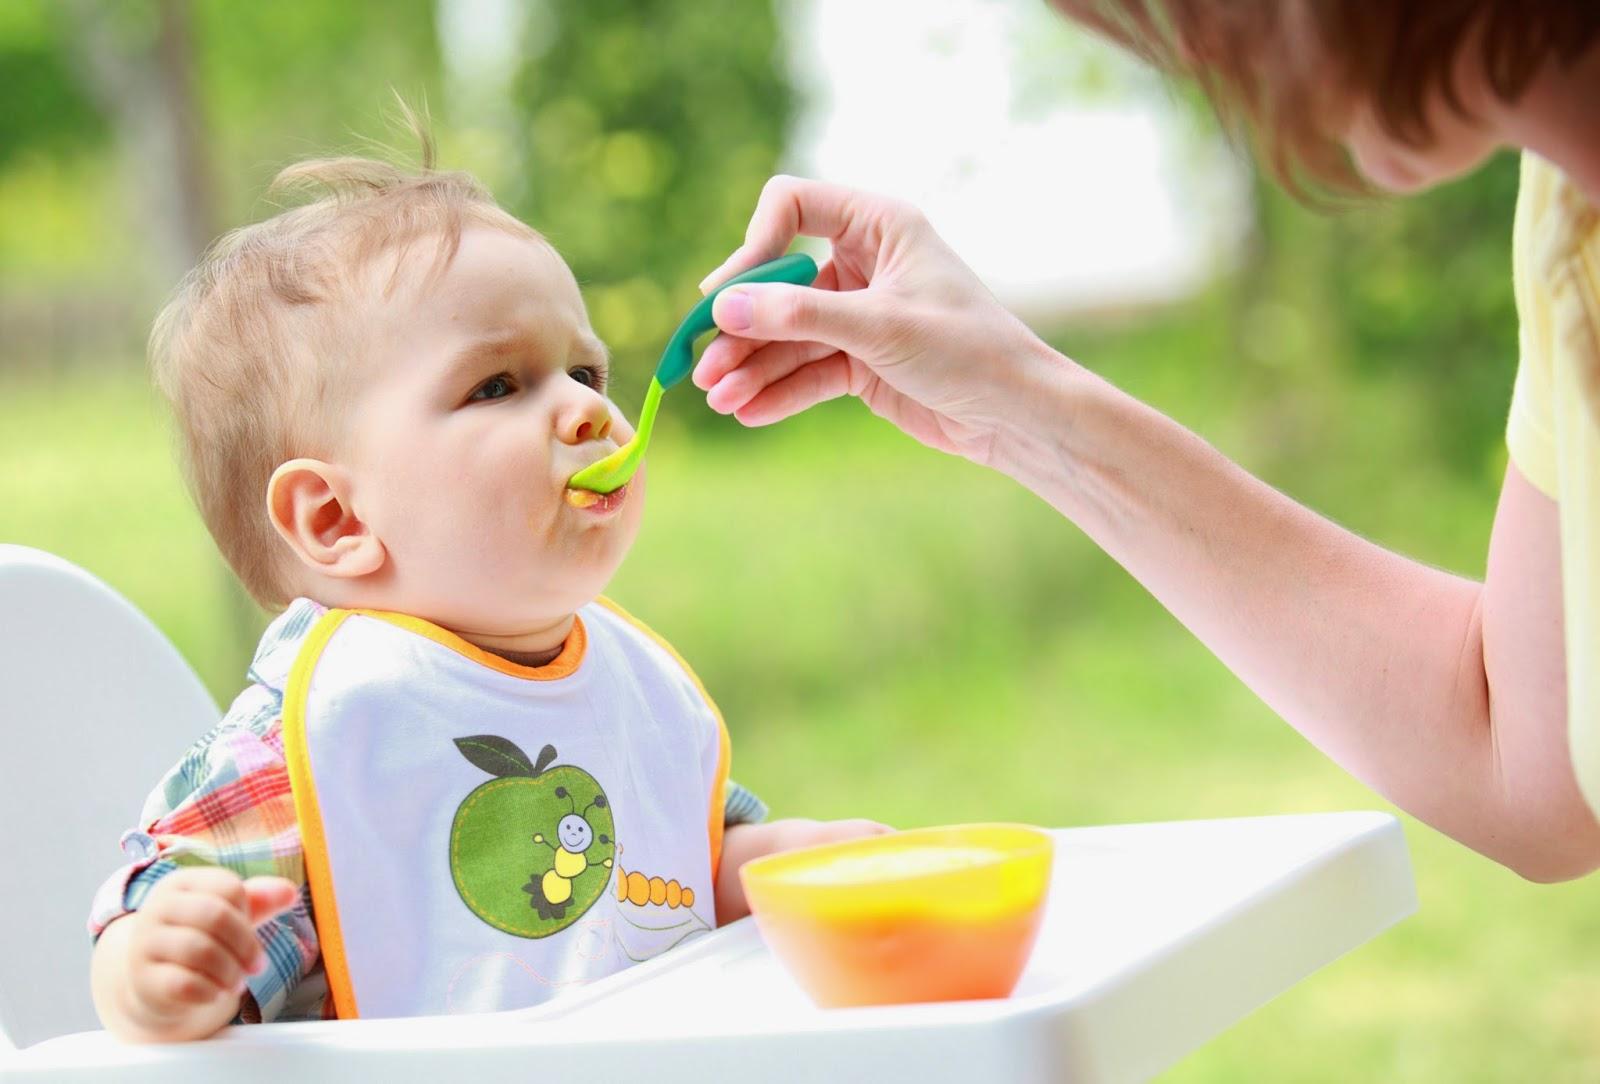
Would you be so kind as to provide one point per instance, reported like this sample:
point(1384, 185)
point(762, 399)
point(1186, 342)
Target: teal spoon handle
point(677, 359)
point(613, 472)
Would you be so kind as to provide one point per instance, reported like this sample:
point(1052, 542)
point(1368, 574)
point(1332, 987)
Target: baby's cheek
point(638, 487)
point(621, 428)
point(626, 528)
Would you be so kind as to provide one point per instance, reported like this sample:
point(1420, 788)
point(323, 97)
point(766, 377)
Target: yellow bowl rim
point(1028, 842)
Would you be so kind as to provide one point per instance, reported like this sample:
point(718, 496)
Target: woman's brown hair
point(1254, 60)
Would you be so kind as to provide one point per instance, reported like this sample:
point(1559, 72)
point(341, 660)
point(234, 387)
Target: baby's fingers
point(856, 828)
point(198, 952)
point(271, 896)
point(204, 880)
point(220, 922)
point(164, 987)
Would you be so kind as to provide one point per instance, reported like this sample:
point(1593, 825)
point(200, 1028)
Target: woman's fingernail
point(719, 274)
point(733, 311)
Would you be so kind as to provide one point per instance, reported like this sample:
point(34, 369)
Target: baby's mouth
point(598, 503)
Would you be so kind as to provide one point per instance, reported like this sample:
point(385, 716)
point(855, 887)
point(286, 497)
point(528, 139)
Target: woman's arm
point(1445, 695)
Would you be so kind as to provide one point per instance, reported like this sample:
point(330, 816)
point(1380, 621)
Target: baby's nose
point(588, 417)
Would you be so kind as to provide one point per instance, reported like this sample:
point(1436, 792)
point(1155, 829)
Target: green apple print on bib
point(532, 848)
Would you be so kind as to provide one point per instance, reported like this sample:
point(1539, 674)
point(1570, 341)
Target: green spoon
point(613, 472)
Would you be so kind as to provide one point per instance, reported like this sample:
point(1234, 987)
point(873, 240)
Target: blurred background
point(891, 633)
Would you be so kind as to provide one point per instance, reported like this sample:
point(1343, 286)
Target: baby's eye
point(590, 376)
point(496, 387)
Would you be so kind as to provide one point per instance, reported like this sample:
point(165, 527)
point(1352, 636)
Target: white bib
point(481, 835)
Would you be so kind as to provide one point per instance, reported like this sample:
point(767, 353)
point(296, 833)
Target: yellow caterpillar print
point(634, 887)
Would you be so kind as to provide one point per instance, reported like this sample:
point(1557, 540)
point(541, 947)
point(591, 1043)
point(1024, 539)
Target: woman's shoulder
point(1555, 222)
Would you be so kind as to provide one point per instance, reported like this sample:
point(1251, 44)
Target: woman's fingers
point(726, 353)
point(768, 363)
point(791, 207)
point(851, 321)
point(912, 332)
point(722, 356)
point(827, 378)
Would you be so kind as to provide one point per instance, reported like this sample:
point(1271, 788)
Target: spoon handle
point(797, 269)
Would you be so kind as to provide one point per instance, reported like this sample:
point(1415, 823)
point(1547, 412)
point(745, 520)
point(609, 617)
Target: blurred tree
point(200, 101)
point(303, 78)
point(138, 62)
point(1425, 289)
point(1415, 292)
point(45, 107)
point(648, 129)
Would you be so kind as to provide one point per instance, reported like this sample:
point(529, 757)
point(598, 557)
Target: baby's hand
point(744, 842)
point(185, 955)
point(797, 832)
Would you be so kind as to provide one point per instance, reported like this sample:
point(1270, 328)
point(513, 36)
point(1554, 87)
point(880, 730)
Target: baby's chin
point(560, 585)
point(571, 580)
point(518, 618)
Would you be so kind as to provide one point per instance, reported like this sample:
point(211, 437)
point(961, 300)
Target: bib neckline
point(563, 665)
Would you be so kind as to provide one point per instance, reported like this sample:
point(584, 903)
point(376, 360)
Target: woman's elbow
point(1561, 848)
point(1553, 869)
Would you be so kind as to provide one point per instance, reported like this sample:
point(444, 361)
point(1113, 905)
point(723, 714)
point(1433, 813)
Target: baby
point(458, 780)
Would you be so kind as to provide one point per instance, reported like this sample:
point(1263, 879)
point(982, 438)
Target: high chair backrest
point(95, 706)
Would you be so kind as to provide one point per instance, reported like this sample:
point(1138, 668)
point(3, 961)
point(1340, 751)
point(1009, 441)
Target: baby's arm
point(175, 968)
point(223, 813)
point(743, 842)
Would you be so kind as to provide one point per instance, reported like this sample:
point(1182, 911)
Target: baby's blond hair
point(249, 349)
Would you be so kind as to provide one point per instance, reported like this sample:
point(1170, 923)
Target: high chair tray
point(1157, 937)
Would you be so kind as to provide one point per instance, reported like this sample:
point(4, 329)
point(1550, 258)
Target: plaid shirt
point(228, 803)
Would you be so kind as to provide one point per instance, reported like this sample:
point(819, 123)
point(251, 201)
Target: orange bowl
point(934, 914)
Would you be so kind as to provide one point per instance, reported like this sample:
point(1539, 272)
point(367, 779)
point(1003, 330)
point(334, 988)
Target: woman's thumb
point(269, 897)
point(778, 312)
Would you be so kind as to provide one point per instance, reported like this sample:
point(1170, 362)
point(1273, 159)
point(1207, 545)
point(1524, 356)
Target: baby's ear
point(309, 503)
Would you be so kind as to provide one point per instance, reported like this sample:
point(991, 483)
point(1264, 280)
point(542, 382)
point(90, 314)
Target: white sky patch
point(1084, 200)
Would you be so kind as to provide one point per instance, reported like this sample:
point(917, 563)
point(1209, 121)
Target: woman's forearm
point(1444, 694)
point(1377, 659)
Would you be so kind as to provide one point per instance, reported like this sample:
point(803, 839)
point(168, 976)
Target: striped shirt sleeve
point(741, 806)
point(227, 803)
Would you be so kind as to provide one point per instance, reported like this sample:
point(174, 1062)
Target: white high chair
point(1156, 937)
point(95, 705)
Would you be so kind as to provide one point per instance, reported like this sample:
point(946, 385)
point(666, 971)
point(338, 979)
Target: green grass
point(899, 635)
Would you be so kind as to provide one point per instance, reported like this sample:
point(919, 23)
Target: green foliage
point(891, 633)
point(285, 81)
point(897, 634)
point(1423, 287)
point(47, 109)
point(649, 129)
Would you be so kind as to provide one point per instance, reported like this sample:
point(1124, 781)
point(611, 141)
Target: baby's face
point(483, 395)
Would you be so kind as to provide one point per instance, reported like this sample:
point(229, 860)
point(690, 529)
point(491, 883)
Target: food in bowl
point(933, 914)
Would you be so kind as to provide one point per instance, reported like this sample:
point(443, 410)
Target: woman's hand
point(894, 318)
